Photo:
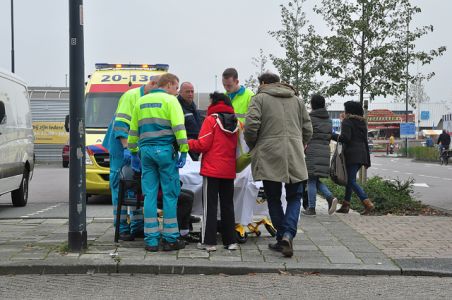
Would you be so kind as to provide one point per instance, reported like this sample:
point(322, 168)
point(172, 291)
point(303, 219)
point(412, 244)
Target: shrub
point(422, 153)
point(389, 197)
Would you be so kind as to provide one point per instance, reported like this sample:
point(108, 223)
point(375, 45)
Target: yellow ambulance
point(104, 88)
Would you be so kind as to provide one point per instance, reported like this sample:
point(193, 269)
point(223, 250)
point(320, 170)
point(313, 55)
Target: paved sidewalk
point(324, 244)
point(419, 244)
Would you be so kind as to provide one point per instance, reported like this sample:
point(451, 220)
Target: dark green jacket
point(276, 129)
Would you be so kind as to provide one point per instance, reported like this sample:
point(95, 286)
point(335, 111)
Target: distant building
point(446, 122)
point(426, 116)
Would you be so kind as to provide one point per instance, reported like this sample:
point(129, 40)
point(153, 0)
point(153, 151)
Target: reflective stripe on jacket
point(157, 120)
point(124, 112)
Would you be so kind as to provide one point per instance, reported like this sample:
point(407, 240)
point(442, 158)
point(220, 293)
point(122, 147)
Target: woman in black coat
point(318, 156)
point(356, 151)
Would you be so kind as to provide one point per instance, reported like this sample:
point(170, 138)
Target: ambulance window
point(100, 108)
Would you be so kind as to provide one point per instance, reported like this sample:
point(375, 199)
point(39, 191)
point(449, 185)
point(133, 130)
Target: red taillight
point(89, 152)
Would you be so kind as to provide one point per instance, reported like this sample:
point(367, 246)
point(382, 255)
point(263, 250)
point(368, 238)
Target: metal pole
point(12, 37)
point(363, 171)
point(77, 236)
point(407, 80)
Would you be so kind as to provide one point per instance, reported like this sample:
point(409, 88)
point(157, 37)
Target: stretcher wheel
point(241, 239)
point(270, 229)
point(258, 233)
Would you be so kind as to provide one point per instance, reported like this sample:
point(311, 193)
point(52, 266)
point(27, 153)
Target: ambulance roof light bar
point(156, 67)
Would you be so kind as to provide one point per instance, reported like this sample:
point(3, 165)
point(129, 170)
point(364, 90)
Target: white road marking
point(421, 185)
point(40, 211)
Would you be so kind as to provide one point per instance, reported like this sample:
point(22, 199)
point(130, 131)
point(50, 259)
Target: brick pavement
point(323, 244)
point(406, 236)
point(338, 244)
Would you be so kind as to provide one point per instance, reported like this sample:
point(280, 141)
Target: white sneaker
point(208, 248)
point(232, 247)
point(332, 209)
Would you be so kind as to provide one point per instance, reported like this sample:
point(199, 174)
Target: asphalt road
point(253, 286)
point(433, 182)
point(49, 189)
point(49, 197)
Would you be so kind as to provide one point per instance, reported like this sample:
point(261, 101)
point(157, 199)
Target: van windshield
point(100, 108)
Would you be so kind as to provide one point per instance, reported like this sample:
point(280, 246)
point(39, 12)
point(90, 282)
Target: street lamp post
point(77, 236)
point(407, 79)
point(12, 37)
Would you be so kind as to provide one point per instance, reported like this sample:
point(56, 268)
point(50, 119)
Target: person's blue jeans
point(314, 185)
point(159, 167)
point(352, 185)
point(285, 223)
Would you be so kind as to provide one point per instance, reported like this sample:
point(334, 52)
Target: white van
point(16, 138)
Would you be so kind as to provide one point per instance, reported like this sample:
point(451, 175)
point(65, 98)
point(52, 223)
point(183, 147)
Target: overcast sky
point(198, 38)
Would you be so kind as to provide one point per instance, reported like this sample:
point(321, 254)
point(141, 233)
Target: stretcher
point(250, 207)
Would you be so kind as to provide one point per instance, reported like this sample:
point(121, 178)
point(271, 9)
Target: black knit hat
point(354, 108)
point(317, 101)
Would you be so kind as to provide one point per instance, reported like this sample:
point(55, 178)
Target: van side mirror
point(2, 113)
point(66, 123)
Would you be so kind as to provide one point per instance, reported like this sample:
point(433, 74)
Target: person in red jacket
point(217, 143)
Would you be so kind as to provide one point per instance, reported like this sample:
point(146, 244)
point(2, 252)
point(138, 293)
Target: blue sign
point(407, 130)
point(425, 115)
point(336, 122)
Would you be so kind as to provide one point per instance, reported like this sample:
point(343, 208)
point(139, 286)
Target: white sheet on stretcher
point(245, 192)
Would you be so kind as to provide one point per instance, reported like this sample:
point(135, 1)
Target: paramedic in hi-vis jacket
point(116, 143)
point(157, 126)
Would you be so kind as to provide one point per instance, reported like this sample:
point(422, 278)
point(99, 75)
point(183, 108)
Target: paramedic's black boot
point(152, 248)
point(177, 245)
point(127, 237)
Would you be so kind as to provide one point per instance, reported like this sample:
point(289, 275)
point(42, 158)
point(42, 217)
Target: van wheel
point(20, 196)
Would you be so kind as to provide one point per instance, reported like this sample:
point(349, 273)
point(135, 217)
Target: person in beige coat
point(277, 127)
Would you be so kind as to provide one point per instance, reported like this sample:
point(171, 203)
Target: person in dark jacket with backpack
point(356, 151)
point(218, 143)
point(318, 155)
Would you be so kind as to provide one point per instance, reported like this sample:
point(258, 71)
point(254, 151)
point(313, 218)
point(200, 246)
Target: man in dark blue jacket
point(192, 117)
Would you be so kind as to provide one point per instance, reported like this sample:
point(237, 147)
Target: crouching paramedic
point(116, 143)
point(157, 123)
